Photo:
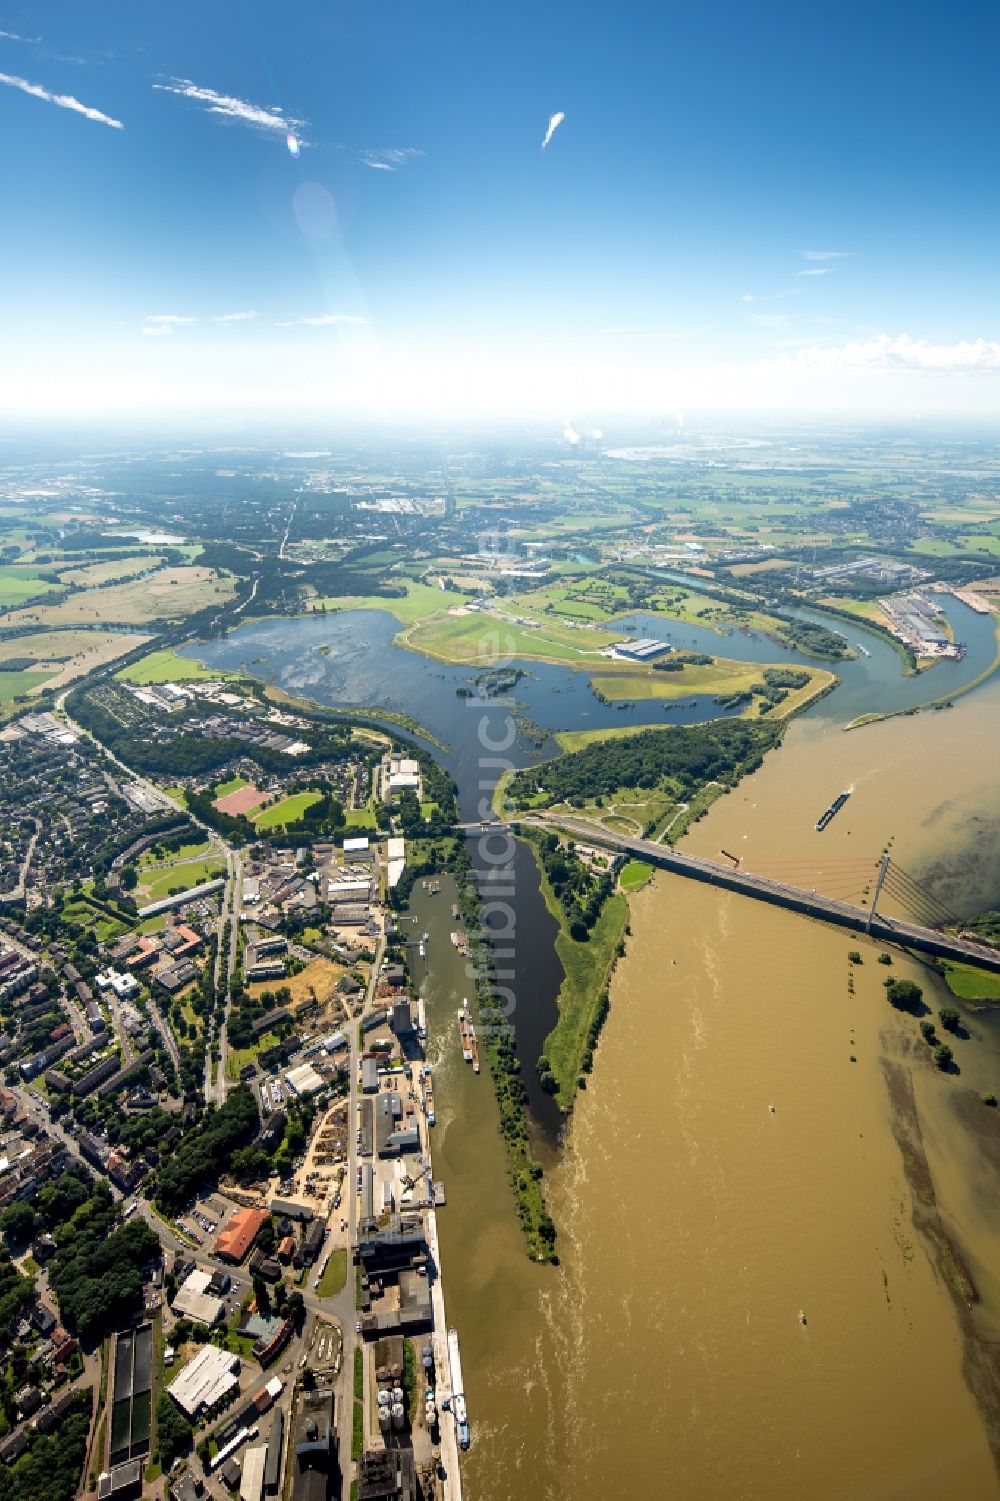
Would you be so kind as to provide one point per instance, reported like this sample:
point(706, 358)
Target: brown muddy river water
point(733, 1164)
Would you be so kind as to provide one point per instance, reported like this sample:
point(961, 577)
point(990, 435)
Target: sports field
point(286, 810)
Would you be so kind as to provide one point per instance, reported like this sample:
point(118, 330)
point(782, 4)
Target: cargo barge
point(458, 1407)
point(830, 813)
point(463, 1028)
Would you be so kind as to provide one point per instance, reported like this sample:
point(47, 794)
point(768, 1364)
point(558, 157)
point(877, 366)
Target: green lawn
point(167, 667)
point(722, 677)
point(634, 875)
point(223, 789)
point(286, 810)
point(160, 883)
point(238, 1058)
point(970, 983)
point(105, 929)
point(360, 818)
point(196, 851)
point(334, 1277)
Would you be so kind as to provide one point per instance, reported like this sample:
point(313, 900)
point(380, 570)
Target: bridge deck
point(762, 889)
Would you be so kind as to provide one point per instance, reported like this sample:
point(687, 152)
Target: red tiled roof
point(239, 1234)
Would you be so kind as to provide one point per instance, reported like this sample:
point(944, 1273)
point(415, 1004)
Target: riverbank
point(360, 715)
point(583, 995)
point(945, 701)
point(498, 1044)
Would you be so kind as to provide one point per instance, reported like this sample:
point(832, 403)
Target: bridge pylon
point(883, 871)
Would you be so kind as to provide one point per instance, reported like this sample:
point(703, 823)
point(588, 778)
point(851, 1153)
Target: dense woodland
point(580, 891)
point(96, 1273)
point(198, 1157)
point(689, 756)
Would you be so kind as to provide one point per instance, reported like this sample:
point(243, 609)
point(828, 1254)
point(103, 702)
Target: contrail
point(554, 125)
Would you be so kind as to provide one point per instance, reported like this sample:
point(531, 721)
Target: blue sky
point(743, 205)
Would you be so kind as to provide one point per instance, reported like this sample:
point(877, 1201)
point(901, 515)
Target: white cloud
point(825, 255)
point(768, 320)
point(64, 101)
point(323, 320)
point(554, 123)
point(13, 36)
point(885, 353)
point(234, 317)
point(157, 324)
point(389, 158)
point(257, 116)
point(814, 271)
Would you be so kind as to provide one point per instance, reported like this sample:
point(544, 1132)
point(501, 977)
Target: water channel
point(667, 1356)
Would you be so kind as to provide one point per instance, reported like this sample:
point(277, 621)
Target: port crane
point(411, 1183)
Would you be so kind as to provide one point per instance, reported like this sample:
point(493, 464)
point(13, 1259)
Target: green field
point(18, 583)
point(721, 678)
point(238, 1058)
point(419, 602)
point(159, 882)
point(287, 810)
point(360, 818)
point(196, 851)
point(90, 574)
point(587, 968)
point(485, 640)
point(970, 983)
point(167, 667)
point(334, 1278)
point(634, 875)
point(223, 789)
point(573, 740)
point(106, 929)
point(13, 684)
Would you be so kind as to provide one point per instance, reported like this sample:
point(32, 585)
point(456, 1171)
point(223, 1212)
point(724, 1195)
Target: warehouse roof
point(239, 1234)
point(204, 1381)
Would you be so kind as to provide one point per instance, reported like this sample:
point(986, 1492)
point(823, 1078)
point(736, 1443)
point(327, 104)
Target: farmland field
point(170, 594)
point(91, 574)
point(167, 667)
point(12, 684)
point(419, 602)
point(65, 655)
point(480, 638)
point(18, 583)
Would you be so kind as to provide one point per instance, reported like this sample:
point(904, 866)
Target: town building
point(239, 1234)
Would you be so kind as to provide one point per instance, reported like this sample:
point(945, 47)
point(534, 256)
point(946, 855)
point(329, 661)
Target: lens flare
point(292, 142)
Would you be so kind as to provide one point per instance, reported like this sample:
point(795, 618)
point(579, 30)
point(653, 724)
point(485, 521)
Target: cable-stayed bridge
point(866, 881)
